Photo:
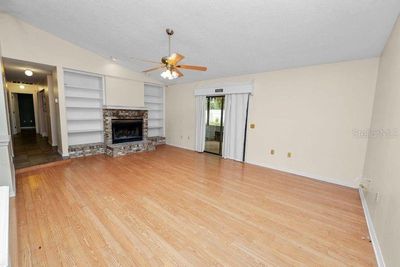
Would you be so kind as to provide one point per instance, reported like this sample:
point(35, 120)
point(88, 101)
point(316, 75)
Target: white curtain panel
point(234, 126)
point(201, 102)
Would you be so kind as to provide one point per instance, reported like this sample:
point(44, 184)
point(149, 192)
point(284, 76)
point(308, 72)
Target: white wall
point(382, 165)
point(124, 92)
point(310, 111)
point(22, 41)
point(7, 172)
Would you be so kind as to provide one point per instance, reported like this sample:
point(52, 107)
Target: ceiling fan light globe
point(170, 75)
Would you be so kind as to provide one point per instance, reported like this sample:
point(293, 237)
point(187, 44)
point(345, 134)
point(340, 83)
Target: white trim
point(226, 89)
point(180, 146)
point(4, 226)
point(64, 155)
point(5, 140)
point(306, 175)
point(82, 72)
point(124, 107)
point(164, 111)
point(371, 229)
point(109, 75)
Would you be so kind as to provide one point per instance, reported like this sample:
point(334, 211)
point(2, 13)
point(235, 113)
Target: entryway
point(32, 109)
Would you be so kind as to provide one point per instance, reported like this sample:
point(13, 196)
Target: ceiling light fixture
point(170, 75)
point(28, 73)
point(21, 87)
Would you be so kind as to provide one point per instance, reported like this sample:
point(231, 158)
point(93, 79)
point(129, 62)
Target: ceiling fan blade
point(144, 60)
point(156, 68)
point(190, 67)
point(175, 58)
point(180, 74)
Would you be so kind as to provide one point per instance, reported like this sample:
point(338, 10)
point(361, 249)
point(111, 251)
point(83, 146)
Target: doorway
point(214, 124)
point(26, 111)
point(33, 112)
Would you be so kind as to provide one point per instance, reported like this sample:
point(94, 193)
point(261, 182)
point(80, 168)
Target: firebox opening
point(127, 131)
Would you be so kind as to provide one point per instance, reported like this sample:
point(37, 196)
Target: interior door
point(214, 124)
point(26, 111)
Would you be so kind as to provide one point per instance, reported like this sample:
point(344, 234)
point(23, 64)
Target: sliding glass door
point(214, 124)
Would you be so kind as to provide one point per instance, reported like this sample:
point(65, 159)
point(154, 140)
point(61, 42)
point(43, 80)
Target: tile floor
point(31, 149)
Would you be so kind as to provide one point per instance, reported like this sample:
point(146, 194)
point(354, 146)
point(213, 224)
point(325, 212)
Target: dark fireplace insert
point(127, 131)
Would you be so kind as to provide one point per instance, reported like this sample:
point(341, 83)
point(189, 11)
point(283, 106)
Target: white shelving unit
point(154, 101)
point(84, 96)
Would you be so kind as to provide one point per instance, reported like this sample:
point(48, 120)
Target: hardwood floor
point(177, 207)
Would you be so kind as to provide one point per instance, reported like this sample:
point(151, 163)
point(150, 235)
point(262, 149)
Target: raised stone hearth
point(122, 149)
point(84, 150)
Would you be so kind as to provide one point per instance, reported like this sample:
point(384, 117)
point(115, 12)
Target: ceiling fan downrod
point(170, 32)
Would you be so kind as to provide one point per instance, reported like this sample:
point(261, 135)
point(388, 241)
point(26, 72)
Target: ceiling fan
point(170, 63)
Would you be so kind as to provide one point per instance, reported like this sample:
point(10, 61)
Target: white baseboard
point(371, 229)
point(307, 175)
point(64, 155)
point(4, 225)
point(180, 146)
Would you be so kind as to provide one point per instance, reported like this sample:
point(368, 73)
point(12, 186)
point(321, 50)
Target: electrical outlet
point(377, 197)
point(272, 152)
point(289, 154)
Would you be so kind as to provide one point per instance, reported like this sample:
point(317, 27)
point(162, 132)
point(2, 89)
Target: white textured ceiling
point(231, 37)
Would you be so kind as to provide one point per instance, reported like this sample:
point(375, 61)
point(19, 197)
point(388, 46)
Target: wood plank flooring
point(177, 207)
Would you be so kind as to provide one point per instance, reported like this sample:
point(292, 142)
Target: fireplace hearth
point(127, 131)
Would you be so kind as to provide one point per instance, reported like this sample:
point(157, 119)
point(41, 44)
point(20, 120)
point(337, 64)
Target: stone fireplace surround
point(120, 149)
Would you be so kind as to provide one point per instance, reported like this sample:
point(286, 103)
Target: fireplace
point(127, 130)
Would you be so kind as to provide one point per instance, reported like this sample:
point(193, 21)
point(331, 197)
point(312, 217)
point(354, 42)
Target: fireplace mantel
point(124, 107)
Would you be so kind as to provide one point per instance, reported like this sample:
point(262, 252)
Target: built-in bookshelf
point(154, 102)
point(84, 107)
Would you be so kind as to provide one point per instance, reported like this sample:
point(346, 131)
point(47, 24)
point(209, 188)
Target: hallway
point(31, 149)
